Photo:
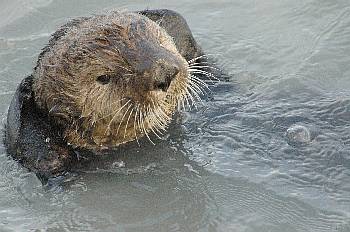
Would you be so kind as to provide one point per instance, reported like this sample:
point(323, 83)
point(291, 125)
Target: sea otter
point(100, 82)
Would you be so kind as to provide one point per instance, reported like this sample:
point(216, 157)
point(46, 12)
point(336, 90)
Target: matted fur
point(120, 45)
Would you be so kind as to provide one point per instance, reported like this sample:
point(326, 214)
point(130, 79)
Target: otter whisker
point(144, 129)
point(192, 87)
point(139, 119)
point(158, 117)
point(200, 63)
point(136, 111)
point(210, 80)
point(194, 68)
point(187, 100)
point(127, 121)
point(153, 131)
point(111, 100)
point(188, 93)
point(163, 113)
point(183, 100)
point(121, 120)
point(109, 124)
point(188, 103)
point(91, 92)
point(203, 66)
point(179, 103)
point(154, 124)
point(112, 112)
point(157, 122)
point(162, 120)
point(197, 58)
point(198, 86)
point(200, 82)
point(198, 89)
point(156, 133)
point(207, 74)
point(183, 97)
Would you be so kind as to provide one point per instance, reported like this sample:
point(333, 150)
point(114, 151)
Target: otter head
point(110, 79)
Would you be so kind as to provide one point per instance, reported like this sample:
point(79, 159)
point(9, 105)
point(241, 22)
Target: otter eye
point(103, 79)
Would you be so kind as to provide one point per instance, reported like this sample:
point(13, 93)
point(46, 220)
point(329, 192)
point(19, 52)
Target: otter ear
point(176, 26)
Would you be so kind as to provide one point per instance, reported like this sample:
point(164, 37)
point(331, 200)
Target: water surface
point(227, 165)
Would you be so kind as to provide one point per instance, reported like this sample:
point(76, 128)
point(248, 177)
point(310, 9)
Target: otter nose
point(165, 73)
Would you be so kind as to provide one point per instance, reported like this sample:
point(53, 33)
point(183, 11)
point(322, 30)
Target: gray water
point(227, 165)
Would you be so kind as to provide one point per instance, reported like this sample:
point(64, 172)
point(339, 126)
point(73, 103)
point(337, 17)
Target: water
point(229, 165)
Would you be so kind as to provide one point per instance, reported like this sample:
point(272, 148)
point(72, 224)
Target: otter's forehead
point(123, 35)
point(125, 25)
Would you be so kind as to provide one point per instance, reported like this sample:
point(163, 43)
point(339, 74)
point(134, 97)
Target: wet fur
point(80, 51)
point(51, 121)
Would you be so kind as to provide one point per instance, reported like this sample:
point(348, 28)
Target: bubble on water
point(298, 134)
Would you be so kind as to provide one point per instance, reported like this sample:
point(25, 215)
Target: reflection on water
point(229, 165)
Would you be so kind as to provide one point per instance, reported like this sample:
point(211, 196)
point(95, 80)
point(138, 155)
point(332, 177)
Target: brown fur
point(129, 48)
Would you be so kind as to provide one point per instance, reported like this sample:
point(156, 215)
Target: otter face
point(111, 79)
